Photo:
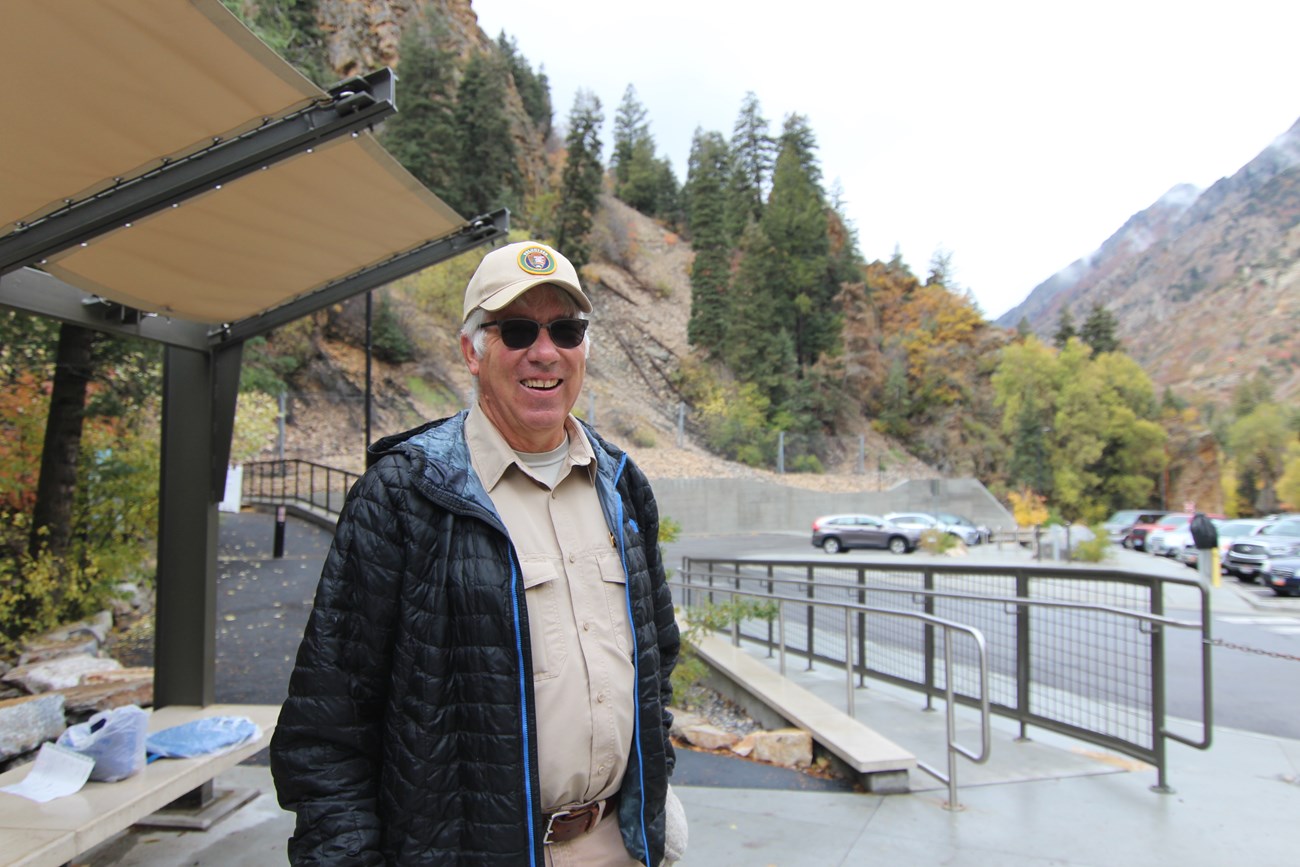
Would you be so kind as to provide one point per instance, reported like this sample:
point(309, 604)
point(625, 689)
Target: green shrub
point(1093, 550)
point(807, 464)
point(936, 541)
point(688, 675)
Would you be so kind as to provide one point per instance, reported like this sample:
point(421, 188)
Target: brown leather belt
point(565, 825)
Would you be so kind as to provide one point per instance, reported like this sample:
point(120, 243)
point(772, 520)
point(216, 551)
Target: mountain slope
point(1205, 285)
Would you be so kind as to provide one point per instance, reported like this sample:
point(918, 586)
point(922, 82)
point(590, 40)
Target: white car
point(1170, 536)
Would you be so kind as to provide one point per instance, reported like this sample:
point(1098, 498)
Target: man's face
point(527, 393)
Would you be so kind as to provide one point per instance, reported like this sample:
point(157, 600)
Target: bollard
point(279, 532)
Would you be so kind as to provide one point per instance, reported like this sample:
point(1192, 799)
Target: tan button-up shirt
point(575, 586)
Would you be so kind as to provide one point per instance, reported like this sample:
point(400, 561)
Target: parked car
point(1276, 540)
point(1162, 530)
point(1118, 525)
point(1283, 575)
point(1136, 538)
point(1236, 530)
point(955, 525)
point(918, 520)
point(964, 528)
point(836, 533)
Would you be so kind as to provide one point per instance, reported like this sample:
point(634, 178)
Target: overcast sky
point(1014, 136)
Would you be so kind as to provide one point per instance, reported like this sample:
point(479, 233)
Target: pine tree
point(1098, 330)
point(580, 181)
point(796, 227)
point(759, 348)
point(705, 215)
point(753, 153)
point(489, 176)
point(422, 136)
point(1064, 329)
point(631, 131)
point(533, 87)
point(642, 179)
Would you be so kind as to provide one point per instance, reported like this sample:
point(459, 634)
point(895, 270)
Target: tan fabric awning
point(109, 89)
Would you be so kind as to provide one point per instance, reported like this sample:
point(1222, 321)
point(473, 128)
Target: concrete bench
point(55, 832)
point(881, 765)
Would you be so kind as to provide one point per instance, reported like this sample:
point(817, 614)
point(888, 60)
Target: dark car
point(1283, 575)
point(836, 533)
point(1119, 524)
point(1279, 540)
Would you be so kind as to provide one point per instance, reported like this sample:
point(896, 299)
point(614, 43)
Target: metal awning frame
point(202, 361)
point(356, 104)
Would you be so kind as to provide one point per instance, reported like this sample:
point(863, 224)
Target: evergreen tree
point(631, 131)
point(422, 136)
point(705, 216)
point(759, 348)
point(489, 171)
point(533, 87)
point(580, 181)
point(753, 152)
point(798, 270)
point(1064, 329)
point(1098, 330)
point(641, 178)
point(289, 28)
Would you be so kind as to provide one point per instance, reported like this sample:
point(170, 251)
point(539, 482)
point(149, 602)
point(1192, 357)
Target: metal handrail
point(954, 748)
point(282, 481)
point(1109, 732)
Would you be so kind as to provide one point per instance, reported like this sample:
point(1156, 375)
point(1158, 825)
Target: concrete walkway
point(1047, 801)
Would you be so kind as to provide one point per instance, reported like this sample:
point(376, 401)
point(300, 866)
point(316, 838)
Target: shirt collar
point(492, 455)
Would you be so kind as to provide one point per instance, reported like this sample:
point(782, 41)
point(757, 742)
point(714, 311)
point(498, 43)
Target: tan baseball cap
point(510, 271)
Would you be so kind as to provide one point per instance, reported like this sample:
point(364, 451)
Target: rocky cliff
point(1205, 284)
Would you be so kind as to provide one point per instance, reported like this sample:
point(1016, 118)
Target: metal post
point(950, 699)
point(681, 424)
point(280, 438)
point(1158, 697)
point(848, 661)
point(780, 452)
point(278, 549)
point(812, 618)
point(369, 353)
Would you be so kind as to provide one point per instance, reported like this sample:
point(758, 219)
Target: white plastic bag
point(114, 739)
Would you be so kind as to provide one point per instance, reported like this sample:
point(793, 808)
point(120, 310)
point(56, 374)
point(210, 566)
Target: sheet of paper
point(57, 771)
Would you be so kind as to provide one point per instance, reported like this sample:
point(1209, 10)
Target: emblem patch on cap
point(536, 260)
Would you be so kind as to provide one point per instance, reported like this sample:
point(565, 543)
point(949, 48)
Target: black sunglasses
point(522, 333)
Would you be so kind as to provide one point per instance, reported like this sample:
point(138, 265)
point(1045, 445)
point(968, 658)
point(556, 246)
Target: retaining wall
point(720, 506)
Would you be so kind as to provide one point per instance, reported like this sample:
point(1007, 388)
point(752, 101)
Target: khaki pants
point(601, 847)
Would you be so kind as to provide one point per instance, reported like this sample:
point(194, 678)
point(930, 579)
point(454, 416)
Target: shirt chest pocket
point(544, 595)
point(614, 588)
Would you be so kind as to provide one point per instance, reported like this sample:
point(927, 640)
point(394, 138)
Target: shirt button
point(586, 626)
point(572, 558)
point(600, 697)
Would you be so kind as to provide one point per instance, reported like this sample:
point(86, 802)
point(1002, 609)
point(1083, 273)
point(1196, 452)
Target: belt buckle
point(591, 811)
point(546, 838)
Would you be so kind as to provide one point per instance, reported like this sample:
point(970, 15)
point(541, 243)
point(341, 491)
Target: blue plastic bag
point(201, 737)
point(115, 739)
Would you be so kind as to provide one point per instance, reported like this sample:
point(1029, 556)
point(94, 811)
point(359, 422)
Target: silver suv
point(1281, 538)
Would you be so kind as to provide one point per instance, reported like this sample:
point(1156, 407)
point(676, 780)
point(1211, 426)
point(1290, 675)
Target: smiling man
point(484, 678)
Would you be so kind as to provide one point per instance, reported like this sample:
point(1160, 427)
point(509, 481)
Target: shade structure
point(164, 175)
point(175, 165)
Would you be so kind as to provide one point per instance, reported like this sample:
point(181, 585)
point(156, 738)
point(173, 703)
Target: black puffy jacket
point(407, 737)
